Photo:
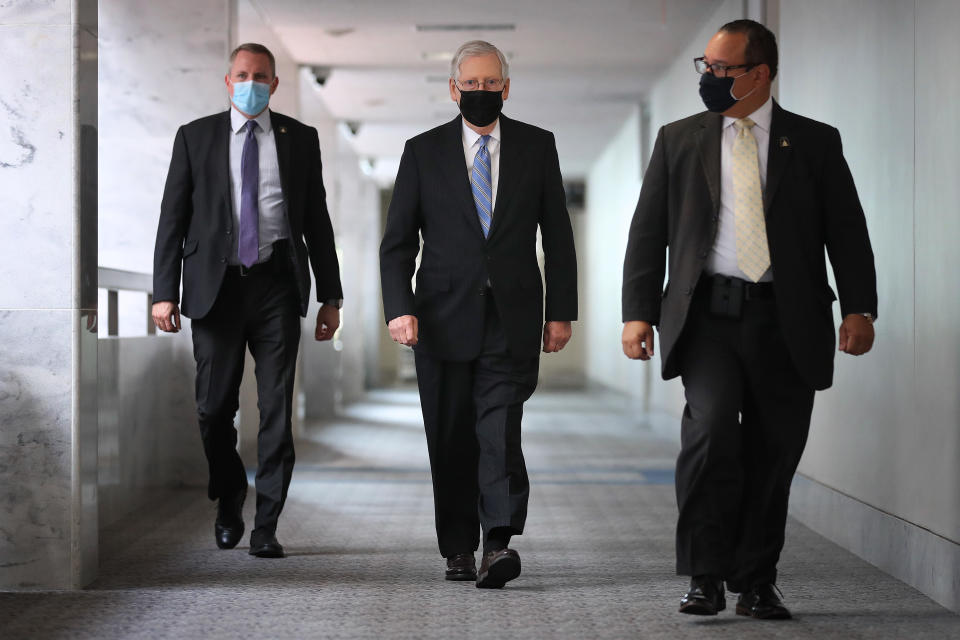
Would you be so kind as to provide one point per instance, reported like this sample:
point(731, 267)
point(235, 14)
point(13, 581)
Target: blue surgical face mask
point(251, 97)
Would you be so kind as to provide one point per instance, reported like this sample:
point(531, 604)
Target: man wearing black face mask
point(477, 189)
point(747, 196)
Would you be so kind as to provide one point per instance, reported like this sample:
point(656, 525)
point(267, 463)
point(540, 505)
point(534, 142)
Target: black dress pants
point(743, 431)
point(472, 413)
point(260, 310)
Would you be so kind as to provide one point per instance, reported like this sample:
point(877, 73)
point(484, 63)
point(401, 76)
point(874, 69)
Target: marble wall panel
point(36, 166)
point(36, 491)
point(32, 12)
point(161, 65)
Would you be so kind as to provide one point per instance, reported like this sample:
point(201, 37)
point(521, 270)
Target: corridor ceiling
point(577, 67)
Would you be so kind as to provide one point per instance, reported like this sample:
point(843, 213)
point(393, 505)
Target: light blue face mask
point(251, 97)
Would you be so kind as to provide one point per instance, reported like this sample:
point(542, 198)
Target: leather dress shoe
point(498, 568)
point(265, 546)
point(461, 566)
point(705, 597)
point(762, 602)
point(228, 529)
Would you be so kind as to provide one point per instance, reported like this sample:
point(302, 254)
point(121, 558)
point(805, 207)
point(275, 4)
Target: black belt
point(751, 290)
point(274, 264)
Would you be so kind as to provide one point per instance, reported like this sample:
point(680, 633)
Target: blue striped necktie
point(481, 182)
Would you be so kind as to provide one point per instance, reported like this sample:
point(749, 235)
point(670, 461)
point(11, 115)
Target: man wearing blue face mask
point(243, 214)
point(747, 196)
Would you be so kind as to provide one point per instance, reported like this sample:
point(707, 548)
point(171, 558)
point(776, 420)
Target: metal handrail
point(116, 280)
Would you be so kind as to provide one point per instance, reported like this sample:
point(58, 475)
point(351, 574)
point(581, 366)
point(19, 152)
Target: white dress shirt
point(273, 220)
point(723, 257)
point(471, 144)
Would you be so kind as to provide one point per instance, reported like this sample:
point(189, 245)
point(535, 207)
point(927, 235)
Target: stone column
point(48, 367)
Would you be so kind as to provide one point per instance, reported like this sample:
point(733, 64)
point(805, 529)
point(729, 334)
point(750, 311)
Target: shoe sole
point(500, 573)
point(701, 609)
point(461, 577)
point(267, 553)
point(743, 611)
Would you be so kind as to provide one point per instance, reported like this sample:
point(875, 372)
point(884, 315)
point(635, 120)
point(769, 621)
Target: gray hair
point(477, 48)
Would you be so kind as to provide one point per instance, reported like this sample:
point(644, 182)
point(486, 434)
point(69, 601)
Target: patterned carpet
point(597, 554)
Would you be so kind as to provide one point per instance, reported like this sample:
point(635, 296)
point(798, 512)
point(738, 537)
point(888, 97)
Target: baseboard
point(924, 560)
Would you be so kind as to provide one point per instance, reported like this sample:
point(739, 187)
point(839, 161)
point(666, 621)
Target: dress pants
point(472, 413)
point(261, 311)
point(743, 431)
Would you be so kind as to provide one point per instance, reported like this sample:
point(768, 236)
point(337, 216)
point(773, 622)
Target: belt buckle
point(244, 271)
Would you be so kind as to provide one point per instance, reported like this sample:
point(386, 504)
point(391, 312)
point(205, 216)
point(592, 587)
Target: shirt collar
point(238, 120)
point(470, 136)
point(761, 117)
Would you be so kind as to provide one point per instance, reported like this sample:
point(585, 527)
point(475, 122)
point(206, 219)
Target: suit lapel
point(708, 144)
point(221, 145)
point(282, 138)
point(454, 167)
point(509, 173)
point(778, 154)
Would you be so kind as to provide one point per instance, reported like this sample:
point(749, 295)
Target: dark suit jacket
point(810, 202)
point(432, 197)
point(196, 214)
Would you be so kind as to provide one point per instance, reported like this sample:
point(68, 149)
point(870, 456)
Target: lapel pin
point(284, 130)
point(784, 142)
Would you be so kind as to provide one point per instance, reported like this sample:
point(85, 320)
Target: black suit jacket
point(432, 197)
point(810, 202)
point(196, 214)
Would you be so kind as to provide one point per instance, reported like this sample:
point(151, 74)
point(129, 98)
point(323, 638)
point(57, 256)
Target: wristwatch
point(869, 317)
point(334, 302)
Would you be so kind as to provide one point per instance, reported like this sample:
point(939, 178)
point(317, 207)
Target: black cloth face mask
point(481, 108)
point(717, 93)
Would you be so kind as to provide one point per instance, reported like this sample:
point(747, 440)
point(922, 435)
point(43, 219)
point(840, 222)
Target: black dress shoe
point(762, 602)
point(498, 568)
point(265, 546)
point(228, 529)
point(705, 597)
point(461, 566)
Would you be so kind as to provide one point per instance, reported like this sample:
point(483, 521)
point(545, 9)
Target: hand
point(166, 315)
point(328, 320)
point(403, 329)
point(556, 335)
point(638, 340)
point(856, 335)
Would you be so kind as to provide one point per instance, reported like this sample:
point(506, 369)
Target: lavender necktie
point(249, 248)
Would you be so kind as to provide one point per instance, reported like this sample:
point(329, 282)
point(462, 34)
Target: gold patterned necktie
point(753, 254)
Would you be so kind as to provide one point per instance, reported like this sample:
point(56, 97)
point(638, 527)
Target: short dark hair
point(259, 49)
point(761, 43)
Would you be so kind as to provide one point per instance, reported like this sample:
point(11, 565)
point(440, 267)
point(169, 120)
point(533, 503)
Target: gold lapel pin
point(284, 130)
point(784, 142)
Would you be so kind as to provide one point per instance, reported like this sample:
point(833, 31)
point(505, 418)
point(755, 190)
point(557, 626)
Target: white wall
point(888, 432)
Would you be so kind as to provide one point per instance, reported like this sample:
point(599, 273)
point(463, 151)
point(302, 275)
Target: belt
point(273, 264)
point(751, 290)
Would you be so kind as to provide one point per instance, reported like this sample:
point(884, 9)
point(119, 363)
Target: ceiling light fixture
point(466, 27)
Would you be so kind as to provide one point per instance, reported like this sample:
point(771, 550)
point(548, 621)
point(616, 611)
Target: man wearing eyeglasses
point(746, 196)
point(477, 189)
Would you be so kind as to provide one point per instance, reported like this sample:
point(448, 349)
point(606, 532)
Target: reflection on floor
point(597, 554)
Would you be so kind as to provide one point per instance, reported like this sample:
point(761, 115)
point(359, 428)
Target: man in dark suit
point(746, 197)
point(477, 189)
point(243, 193)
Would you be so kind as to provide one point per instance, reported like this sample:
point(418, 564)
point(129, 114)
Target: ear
point(506, 88)
point(273, 85)
point(226, 81)
point(453, 90)
point(763, 73)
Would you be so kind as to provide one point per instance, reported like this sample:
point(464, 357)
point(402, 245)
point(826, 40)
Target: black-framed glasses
point(719, 70)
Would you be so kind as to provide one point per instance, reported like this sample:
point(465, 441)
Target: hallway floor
point(362, 559)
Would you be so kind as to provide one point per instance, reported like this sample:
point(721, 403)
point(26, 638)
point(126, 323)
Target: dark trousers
point(260, 311)
point(472, 413)
point(743, 431)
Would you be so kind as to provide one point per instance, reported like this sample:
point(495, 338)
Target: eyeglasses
point(490, 84)
point(719, 70)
